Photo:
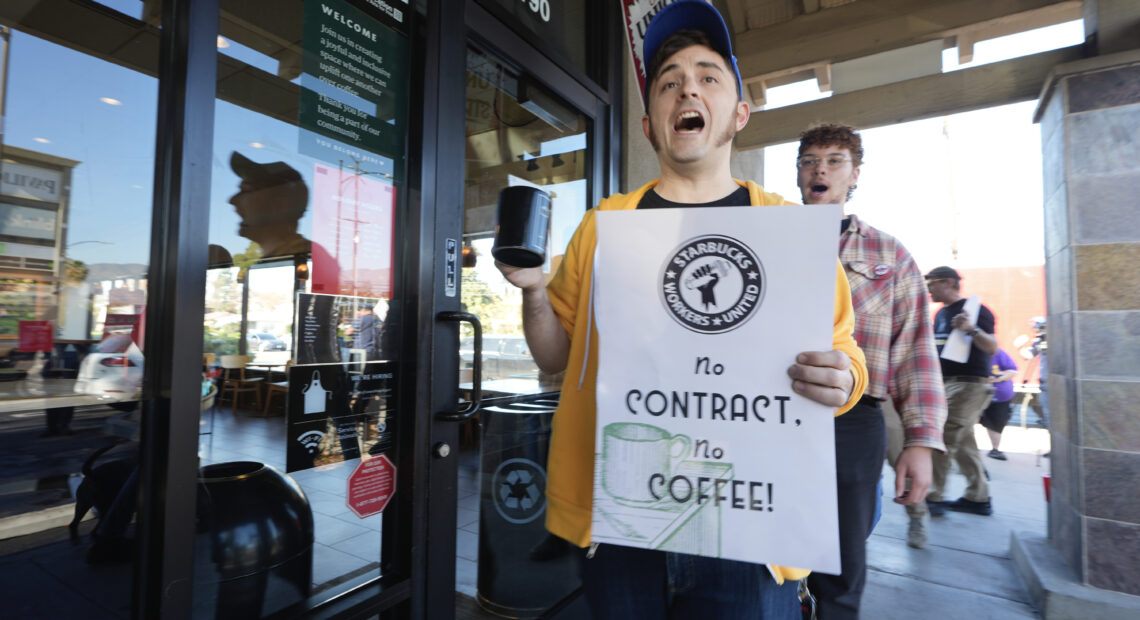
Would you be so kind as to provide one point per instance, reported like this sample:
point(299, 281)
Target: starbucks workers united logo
point(712, 284)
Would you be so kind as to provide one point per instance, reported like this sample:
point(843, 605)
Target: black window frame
point(163, 578)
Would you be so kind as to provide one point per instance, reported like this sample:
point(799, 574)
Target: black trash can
point(254, 541)
point(523, 569)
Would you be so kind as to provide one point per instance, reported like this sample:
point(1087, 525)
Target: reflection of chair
point(209, 398)
point(235, 381)
point(277, 387)
point(208, 401)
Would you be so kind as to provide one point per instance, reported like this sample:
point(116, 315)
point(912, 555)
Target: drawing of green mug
point(632, 453)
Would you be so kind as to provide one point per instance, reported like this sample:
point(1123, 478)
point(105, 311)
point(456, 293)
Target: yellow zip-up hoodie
point(570, 469)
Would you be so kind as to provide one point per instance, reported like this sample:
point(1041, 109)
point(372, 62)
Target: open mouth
point(816, 192)
point(689, 121)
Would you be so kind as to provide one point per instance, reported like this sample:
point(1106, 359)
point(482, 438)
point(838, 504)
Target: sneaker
point(997, 454)
point(916, 535)
point(936, 508)
point(964, 505)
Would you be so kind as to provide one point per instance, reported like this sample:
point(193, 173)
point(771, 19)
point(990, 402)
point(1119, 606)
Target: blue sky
point(54, 95)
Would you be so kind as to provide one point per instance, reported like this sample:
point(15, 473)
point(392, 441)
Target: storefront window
point(518, 133)
point(307, 184)
point(79, 98)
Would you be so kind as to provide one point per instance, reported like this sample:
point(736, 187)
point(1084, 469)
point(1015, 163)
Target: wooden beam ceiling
point(868, 27)
point(1000, 83)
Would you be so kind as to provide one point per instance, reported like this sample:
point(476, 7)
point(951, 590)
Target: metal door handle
point(471, 407)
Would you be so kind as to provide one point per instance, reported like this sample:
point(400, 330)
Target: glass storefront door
point(518, 133)
point(292, 169)
point(302, 330)
point(78, 99)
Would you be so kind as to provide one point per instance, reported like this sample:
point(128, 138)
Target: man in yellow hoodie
point(694, 110)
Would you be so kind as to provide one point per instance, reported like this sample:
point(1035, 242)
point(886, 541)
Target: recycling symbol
point(519, 489)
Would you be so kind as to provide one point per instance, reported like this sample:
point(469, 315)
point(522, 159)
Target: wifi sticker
point(311, 441)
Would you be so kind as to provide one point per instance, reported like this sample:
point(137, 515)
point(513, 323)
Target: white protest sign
point(702, 446)
point(958, 343)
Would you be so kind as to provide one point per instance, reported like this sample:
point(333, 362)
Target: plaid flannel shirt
point(893, 327)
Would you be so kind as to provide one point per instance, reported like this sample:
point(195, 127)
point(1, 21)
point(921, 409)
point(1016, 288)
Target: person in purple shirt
point(996, 415)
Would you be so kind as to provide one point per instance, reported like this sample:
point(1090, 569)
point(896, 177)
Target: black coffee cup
point(520, 233)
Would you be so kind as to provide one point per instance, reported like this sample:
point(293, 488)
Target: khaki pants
point(964, 403)
point(895, 438)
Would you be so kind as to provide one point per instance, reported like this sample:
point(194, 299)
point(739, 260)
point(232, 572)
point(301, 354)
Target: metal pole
point(5, 43)
point(355, 219)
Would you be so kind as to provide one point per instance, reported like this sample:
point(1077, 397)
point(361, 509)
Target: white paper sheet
point(958, 343)
point(702, 446)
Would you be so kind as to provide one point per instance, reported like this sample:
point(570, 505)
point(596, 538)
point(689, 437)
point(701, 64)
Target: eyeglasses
point(811, 161)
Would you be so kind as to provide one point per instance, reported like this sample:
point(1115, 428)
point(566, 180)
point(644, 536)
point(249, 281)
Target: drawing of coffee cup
point(632, 453)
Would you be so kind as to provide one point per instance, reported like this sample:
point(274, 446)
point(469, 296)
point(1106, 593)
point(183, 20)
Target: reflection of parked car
point(503, 356)
point(264, 342)
point(112, 370)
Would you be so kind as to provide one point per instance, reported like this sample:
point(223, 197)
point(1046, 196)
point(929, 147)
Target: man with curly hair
point(893, 328)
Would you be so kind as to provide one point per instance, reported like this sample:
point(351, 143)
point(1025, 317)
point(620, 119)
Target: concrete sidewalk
point(966, 570)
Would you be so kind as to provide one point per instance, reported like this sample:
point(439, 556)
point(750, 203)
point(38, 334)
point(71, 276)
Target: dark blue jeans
point(860, 447)
point(633, 584)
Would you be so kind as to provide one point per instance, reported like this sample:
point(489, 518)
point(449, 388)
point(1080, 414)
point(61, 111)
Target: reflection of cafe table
point(513, 386)
point(268, 366)
point(266, 369)
point(666, 525)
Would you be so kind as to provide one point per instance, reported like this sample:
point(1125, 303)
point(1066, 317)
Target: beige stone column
point(1090, 135)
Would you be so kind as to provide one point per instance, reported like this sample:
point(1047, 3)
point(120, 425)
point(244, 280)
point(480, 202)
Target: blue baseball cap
point(688, 15)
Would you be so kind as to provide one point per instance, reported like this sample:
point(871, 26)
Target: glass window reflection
point(76, 170)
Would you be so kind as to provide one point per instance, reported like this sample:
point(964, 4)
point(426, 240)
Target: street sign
point(371, 486)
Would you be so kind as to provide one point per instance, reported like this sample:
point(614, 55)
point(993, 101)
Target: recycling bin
point(254, 541)
point(523, 569)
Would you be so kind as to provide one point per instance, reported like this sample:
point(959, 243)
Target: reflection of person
point(271, 200)
point(694, 110)
point(968, 391)
point(1038, 354)
point(365, 332)
point(109, 538)
point(997, 414)
point(892, 326)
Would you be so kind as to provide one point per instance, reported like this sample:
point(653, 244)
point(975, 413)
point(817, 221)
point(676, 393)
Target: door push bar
point(470, 408)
